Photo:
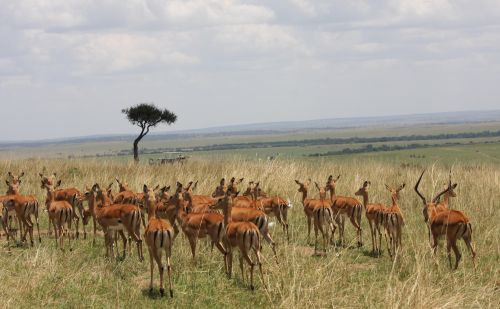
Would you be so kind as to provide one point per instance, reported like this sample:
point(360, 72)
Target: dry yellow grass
point(350, 277)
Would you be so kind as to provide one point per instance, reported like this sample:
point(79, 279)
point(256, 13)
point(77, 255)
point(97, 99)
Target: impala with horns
point(452, 224)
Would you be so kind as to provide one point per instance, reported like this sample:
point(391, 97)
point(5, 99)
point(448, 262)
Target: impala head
point(395, 191)
point(257, 191)
point(322, 191)
point(233, 185)
point(150, 193)
point(49, 180)
point(364, 189)
point(122, 186)
point(163, 194)
point(331, 183)
point(220, 189)
point(303, 187)
point(13, 181)
point(224, 201)
point(249, 189)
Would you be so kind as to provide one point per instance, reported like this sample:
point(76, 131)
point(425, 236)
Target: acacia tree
point(146, 116)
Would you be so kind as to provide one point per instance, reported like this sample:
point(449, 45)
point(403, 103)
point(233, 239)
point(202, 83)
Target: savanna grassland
point(350, 277)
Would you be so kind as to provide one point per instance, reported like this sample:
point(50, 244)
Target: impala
point(199, 225)
point(345, 206)
point(60, 215)
point(244, 235)
point(309, 205)
point(452, 224)
point(393, 221)
point(374, 215)
point(23, 207)
point(323, 215)
point(258, 217)
point(116, 217)
point(70, 195)
point(159, 238)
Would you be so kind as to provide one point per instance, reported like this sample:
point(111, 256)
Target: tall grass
point(347, 277)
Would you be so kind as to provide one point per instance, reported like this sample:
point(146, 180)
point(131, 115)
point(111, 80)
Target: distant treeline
point(331, 141)
point(384, 147)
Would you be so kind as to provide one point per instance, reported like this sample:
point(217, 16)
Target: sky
point(68, 67)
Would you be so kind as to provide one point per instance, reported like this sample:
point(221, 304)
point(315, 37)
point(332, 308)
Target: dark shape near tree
point(146, 116)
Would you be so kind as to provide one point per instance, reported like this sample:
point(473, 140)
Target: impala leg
point(458, 255)
point(192, 244)
point(308, 228)
point(124, 239)
point(152, 268)
point(241, 268)
point(168, 253)
point(229, 257)
point(94, 223)
point(468, 242)
point(157, 257)
point(315, 239)
point(372, 231)
point(244, 254)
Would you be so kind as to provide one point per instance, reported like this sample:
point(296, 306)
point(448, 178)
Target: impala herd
point(243, 222)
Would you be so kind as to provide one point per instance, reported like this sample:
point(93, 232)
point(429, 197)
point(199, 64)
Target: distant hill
point(286, 126)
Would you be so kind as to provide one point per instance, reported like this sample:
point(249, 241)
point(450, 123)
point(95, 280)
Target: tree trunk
point(136, 148)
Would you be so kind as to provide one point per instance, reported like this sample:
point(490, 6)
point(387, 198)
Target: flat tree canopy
point(146, 116)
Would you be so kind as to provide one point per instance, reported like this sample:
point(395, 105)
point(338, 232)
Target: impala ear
point(454, 185)
point(297, 182)
point(22, 174)
point(330, 178)
point(401, 187)
point(58, 184)
point(145, 189)
point(41, 176)
point(7, 182)
point(156, 188)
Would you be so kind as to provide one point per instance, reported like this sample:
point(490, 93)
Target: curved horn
point(416, 188)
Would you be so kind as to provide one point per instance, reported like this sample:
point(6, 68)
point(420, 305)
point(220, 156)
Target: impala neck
point(227, 211)
point(304, 196)
point(151, 209)
point(12, 191)
point(394, 199)
point(365, 198)
point(333, 197)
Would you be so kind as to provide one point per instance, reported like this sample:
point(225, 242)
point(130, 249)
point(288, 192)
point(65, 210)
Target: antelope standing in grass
point(375, 217)
point(393, 221)
point(197, 203)
point(70, 195)
point(258, 217)
point(23, 207)
point(60, 215)
point(345, 206)
point(199, 225)
point(244, 235)
point(159, 238)
point(116, 217)
point(272, 206)
point(323, 216)
point(13, 182)
point(309, 204)
point(452, 224)
point(127, 196)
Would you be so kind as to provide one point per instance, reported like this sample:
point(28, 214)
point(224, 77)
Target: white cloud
point(293, 50)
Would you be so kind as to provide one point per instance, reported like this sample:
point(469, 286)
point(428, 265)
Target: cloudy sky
point(67, 67)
